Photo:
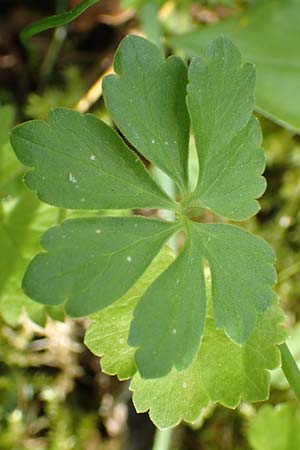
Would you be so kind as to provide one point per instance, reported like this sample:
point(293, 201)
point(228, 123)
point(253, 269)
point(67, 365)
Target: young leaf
point(107, 336)
point(91, 262)
point(81, 163)
point(169, 320)
point(220, 100)
point(147, 101)
point(275, 428)
point(223, 372)
point(242, 272)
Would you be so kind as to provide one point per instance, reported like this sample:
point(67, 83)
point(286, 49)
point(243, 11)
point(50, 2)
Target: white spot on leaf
point(72, 179)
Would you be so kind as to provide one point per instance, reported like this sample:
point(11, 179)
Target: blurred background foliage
point(52, 394)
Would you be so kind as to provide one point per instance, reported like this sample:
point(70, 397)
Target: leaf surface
point(267, 34)
point(20, 227)
point(107, 336)
point(81, 163)
point(242, 272)
point(91, 262)
point(169, 319)
point(275, 428)
point(147, 102)
point(221, 100)
point(223, 372)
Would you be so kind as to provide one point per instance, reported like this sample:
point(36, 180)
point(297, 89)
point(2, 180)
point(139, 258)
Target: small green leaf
point(55, 21)
point(81, 163)
point(275, 428)
point(147, 101)
point(107, 336)
point(223, 372)
point(169, 320)
point(242, 272)
point(221, 100)
point(91, 262)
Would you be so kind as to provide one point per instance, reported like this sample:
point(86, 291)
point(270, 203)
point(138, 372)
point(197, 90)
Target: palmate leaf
point(91, 263)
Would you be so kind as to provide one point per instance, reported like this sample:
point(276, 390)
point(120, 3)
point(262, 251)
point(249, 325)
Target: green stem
point(169, 187)
point(55, 21)
point(290, 370)
point(288, 272)
point(56, 43)
point(162, 439)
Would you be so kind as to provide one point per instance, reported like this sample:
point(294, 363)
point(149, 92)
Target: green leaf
point(81, 163)
point(223, 372)
point(220, 100)
point(169, 320)
point(275, 428)
point(7, 117)
point(267, 35)
point(9, 164)
point(242, 272)
point(147, 102)
point(56, 20)
point(20, 227)
point(107, 336)
point(91, 262)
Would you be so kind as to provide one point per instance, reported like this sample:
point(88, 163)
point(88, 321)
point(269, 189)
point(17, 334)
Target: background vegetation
point(53, 395)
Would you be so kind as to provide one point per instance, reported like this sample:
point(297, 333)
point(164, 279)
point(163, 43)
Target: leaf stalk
point(290, 370)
